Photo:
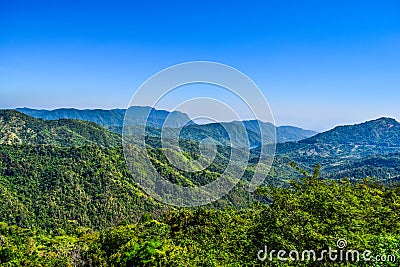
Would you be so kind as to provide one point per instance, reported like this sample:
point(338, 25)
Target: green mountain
point(114, 117)
point(68, 199)
point(380, 132)
point(18, 128)
point(89, 186)
point(49, 187)
point(348, 150)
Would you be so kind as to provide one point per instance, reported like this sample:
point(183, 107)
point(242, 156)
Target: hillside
point(55, 186)
point(365, 215)
point(379, 132)
point(89, 186)
point(348, 150)
point(385, 168)
point(18, 128)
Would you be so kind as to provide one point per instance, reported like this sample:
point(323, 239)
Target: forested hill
point(380, 132)
point(19, 128)
point(50, 187)
point(369, 149)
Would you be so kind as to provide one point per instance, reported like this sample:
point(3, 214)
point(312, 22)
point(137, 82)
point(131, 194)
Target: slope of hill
point(379, 132)
point(384, 168)
point(19, 128)
point(113, 117)
point(372, 137)
point(350, 150)
point(90, 186)
point(51, 187)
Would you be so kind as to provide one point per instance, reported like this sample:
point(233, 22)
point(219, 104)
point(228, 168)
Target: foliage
point(18, 128)
point(310, 214)
point(68, 199)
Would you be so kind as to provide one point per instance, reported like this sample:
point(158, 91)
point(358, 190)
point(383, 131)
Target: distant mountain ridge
point(271, 133)
point(113, 119)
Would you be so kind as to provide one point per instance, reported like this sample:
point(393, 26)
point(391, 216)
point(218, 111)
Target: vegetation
point(46, 186)
point(380, 132)
point(18, 128)
point(310, 214)
point(68, 199)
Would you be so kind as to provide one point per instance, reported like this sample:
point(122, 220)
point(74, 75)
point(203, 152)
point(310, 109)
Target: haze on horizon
point(318, 64)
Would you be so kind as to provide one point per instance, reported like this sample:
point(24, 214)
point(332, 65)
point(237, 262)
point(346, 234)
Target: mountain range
point(114, 119)
point(343, 151)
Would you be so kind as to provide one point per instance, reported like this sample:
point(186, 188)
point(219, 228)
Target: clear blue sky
point(319, 63)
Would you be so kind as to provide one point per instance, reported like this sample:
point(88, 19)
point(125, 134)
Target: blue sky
point(318, 63)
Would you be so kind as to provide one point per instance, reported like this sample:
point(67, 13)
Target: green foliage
point(18, 128)
point(67, 200)
point(50, 187)
point(310, 214)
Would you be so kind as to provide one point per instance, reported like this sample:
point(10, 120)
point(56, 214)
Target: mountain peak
point(7, 115)
point(384, 120)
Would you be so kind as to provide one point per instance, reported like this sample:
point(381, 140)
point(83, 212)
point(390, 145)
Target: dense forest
point(311, 214)
point(67, 198)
